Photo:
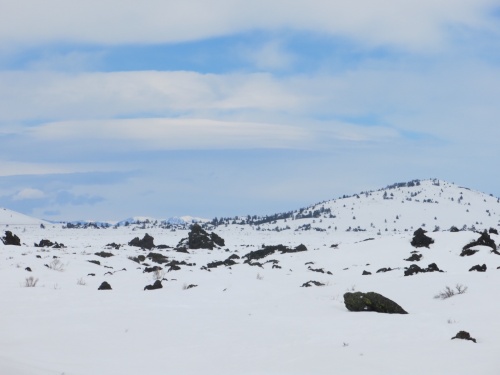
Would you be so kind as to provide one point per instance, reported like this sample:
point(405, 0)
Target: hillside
point(260, 295)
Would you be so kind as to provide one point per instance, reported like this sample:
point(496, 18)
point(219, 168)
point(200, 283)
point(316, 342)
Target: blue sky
point(221, 108)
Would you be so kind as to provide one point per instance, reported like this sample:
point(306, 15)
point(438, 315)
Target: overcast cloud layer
point(218, 108)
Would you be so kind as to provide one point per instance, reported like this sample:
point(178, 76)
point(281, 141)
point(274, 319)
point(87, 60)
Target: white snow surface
point(259, 321)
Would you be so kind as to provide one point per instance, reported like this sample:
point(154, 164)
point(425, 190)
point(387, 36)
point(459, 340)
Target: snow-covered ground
point(245, 319)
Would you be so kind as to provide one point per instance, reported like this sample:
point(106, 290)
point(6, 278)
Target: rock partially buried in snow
point(464, 335)
point(11, 239)
point(147, 242)
point(156, 285)
point(420, 239)
point(371, 301)
point(104, 286)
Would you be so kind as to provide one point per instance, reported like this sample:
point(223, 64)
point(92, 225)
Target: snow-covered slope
point(256, 317)
point(433, 204)
point(8, 217)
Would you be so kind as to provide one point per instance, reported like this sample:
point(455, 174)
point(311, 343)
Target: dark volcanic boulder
point(104, 286)
point(147, 242)
point(218, 240)
point(493, 231)
point(157, 258)
point(371, 301)
point(414, 269)
point(365, 273)
point(385, 269)
point(478, 268)
point(259, 254)
point(268, 250)
point(414, 258)
point(11, 239)
point(198, 238)
point(45, 243)
point(464, 335)
point(468, 252)
point(311, 283)
point(104, 254)
point(420, 239)
point(484, 240)
point(156, 285)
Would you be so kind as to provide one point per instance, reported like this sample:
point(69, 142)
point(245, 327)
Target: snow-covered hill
point(244, 308)
point(9, 217)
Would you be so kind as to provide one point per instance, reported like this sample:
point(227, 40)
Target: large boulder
point(484, 240)
point(198, 238)
point(420, 239)
point(147, 242)
point(104, 286)
point(156, 285)
point(371, 301)
point(414, 269)
point(464, 335)
point(11, 239)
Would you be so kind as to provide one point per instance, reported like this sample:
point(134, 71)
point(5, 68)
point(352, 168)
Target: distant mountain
point(432, 204)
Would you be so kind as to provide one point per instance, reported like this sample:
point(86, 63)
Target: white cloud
point(28, 193)
point(410, 24)
point(34, 95)
point(270, 56)
point(174, 134)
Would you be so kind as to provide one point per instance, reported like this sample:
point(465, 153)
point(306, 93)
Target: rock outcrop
point(420, 239)
point(147, 242)
point(464, 335)
point(371, 301)
point(104, 286)
point(11, 239)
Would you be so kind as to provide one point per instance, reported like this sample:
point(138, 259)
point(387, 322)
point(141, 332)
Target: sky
point(112, 109)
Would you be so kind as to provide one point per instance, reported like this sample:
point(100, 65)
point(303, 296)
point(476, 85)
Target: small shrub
point(56, 265)
point(449, 292)
point(81, 281)
point(158, 274)
point(259, 276)
point(30, 282)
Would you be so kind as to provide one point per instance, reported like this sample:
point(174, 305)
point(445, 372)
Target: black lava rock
point(104, 286)
point(311, 283)
point(11, 239)
point(484, 240)
point(104, 254)
point(420, 239)
point(371, 301)
point(414, 258)
point(147, 242)
point(156, 285)
point(414, 269)
point(464, 335)
point(478, 268)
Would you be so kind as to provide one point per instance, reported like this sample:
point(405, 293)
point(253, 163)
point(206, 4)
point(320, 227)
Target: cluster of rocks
point(49, 243)
point(228, 262)
point(414, 269)
point(198, 238)
point(147, 242)
point(11, 239)
point(268, 250)
point(483, 240)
